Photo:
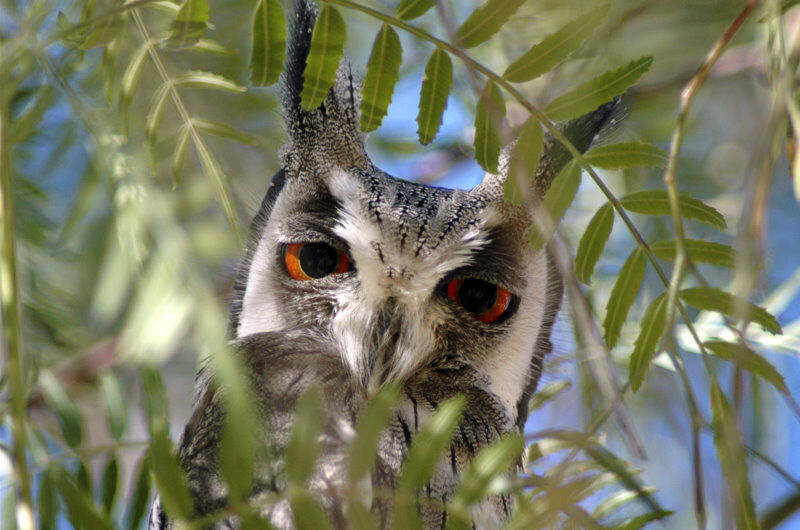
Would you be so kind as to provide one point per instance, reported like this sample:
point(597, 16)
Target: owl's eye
point(311, 261)
point(486, 301)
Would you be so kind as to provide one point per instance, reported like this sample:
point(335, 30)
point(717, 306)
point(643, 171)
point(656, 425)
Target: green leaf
point(156, 114)
point(179, 156)
point(617, 500)
point(102, 32)
point(485, 21)
point(46, 501)
point(327, 48)
point(190, 23)
point(710, 299)
point(109, 485)
point(303, 446)
point(732, 458)
point(168, 477)
point(590, 95)
point(593, 242)
point(622, 295)
point(523, 162)
point(557, 199)
point(383, 71)
point(548, 392)
point(131, 76)
point(656, 202)
point(308, 515)
point(225, 131)
point(409, 9)
point(372, 420)
point(554, 48)
point(81, 508)
point(238, 439)
point(625, 155)
point(699, 251)
point(644, 349)
point(67, 413)
point(488, 118)
point(269, 43)
point(436, 84)
point(490, 463)
point(155, 399)
point(200, 79)
point(359, 517)
point(115, 404)
point(429, 444)
point(140, 496)
point(748, 360)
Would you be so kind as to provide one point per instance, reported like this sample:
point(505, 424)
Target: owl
point(354, 280)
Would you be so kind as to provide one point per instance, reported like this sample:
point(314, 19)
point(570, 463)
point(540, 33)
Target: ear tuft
point(328, 135)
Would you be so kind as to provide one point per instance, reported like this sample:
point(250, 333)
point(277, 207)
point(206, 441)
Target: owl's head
point(398, 277)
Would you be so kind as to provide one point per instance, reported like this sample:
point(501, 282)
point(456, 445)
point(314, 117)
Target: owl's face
point(398, 276)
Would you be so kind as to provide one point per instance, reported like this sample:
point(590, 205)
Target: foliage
point(132, 136)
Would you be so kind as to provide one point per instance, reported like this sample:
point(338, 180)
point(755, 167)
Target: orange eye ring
point(477, 307)
point(312, 261)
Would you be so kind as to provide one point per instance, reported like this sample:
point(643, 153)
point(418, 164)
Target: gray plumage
point(388, 318)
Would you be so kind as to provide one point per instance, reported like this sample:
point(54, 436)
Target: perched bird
point(354, 280)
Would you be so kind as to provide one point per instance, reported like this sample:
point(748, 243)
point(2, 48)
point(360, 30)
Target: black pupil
point(477, 296)
point(318, 259)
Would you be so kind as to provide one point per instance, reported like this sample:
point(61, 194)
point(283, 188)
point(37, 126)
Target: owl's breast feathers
point(281, 371)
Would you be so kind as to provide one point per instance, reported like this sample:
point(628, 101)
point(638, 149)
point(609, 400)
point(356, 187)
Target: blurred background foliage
point(126, 244)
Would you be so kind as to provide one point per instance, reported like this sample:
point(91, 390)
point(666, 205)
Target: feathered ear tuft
point(581, 132)
point(328, 135)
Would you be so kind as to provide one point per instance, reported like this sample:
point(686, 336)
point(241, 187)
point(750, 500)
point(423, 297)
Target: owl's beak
point(384, 337)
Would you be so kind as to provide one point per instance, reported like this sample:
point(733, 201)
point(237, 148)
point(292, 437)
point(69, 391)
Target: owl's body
point(354, 280)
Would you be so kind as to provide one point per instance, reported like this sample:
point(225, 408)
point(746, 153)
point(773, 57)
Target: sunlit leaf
point(748, 360)
point(557, 200)
point(383, 71)
point(699, 251)
point(625, 155)
point(436, 84)
point(485, 21)
point(622, 295)
point(102, 32)
point(644, 349)
point(190, 23)
point(67, 413)
point(554, 48)
point(732, 458)
point(523, 162)
point(617, 500)
point(590, 95)
point(710, 299)
point(131, 76)
point(409, 9)
point(656, 202)
point(207, 80)
point(593, 242)
point(269, 43)
point(327, 48)
point(488, 118)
